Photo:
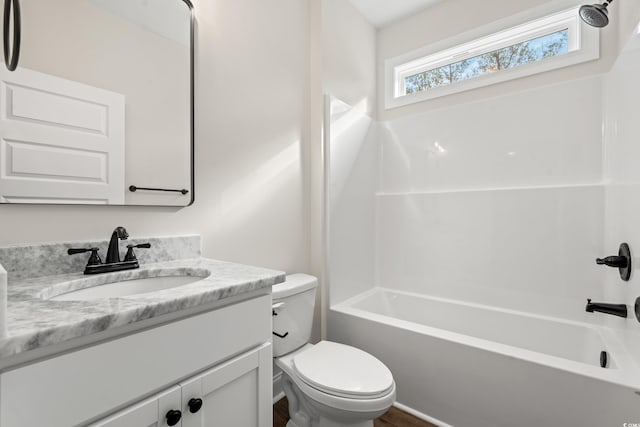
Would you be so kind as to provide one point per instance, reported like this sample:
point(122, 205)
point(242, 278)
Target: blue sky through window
point(533, 50)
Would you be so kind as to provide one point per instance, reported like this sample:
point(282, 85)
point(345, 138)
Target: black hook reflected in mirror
point(11, 61)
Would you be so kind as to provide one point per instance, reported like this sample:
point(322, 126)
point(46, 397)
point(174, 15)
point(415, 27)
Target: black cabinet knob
point(194, 405)
point(173, 417)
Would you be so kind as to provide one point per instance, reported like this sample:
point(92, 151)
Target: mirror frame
point(192, 180)
point(192, 107)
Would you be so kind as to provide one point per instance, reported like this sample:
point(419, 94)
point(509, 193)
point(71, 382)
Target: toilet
point(327, 384)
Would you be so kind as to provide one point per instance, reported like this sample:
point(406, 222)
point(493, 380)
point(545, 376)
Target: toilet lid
point(343, 371)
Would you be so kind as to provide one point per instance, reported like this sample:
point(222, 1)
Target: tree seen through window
point(534, 50)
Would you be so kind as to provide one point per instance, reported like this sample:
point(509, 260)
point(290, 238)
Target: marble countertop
point(34, 322)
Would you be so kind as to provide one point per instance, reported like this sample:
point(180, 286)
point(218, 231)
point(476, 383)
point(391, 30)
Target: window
point(497, 60)
point(544, 44)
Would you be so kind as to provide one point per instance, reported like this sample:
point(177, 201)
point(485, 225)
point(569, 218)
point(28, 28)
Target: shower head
point(596, 15)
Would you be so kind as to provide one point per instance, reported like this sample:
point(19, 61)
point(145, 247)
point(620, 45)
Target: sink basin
point(86, 289)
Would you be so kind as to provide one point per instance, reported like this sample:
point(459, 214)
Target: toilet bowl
point(327, 384)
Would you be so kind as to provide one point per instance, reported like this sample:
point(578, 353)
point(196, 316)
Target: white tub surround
point(487, 218)
point(508, 367)
point(35, 322)
point(622, 203)
point(530, 249)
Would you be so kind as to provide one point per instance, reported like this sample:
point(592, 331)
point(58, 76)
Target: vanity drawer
point(74, 388)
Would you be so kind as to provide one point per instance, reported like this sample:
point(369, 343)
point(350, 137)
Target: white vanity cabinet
point(222, 357)
point(236, 393)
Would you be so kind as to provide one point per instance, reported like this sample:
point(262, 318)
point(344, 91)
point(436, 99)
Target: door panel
point(60, 141)
point(148, 413)
point(233, 404)
point(236, 393)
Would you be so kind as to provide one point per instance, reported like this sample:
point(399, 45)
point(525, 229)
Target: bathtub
point(469, 365)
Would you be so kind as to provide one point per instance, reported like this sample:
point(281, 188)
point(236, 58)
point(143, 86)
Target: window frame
point(583, 46)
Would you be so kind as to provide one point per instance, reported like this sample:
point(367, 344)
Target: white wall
point(545, 136)
point(497, 202)
point(251, 136)
point(347, 51)
point(622, 139)
point(348, 55)
point(451, 18)
point(353, 159)
point(348, 74)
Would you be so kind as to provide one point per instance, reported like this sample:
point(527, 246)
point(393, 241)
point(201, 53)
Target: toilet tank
point(293, 304)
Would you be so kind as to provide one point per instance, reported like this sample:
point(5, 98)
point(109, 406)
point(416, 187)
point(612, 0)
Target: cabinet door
point(148, 413)
point(236, 393)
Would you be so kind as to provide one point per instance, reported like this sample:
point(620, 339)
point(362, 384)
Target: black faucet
point(112, 262)
point(113, 253)
point(614, 309)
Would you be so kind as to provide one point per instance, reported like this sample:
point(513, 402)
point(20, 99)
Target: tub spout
point(614, 309)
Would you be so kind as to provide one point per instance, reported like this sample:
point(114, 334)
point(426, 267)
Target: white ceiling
point(383, 12)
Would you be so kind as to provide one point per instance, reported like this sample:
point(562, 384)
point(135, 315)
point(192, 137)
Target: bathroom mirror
point(100, 107)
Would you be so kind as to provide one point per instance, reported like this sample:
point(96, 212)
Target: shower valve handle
point(613, 261)
point(622, 261)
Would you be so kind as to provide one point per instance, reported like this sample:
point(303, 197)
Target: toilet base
point(327, 423)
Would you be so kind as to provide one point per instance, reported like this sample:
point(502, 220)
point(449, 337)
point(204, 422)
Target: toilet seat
point(354, 404)
point(344, 371)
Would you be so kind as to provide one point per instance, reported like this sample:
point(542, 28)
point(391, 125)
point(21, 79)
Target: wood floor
point(393, 418)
